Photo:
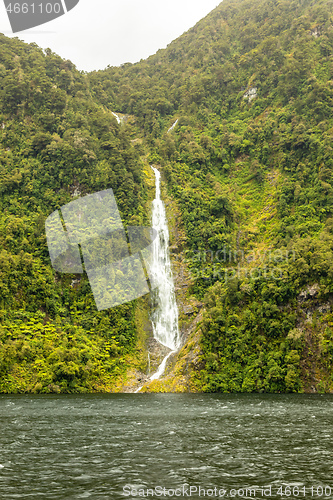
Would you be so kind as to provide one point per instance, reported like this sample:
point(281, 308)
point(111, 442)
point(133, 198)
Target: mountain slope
point(250, 166)
point(248, 172)
point(57, 143)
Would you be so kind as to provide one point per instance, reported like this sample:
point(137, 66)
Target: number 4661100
point(34, 8)
point(313, 492)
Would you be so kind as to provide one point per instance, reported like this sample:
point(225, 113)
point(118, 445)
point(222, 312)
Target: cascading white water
point(165, 316)
point(173, 126)
point(118, 118)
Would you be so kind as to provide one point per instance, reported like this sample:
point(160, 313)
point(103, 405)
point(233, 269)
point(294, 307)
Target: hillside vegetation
point(249, 165)
point(57, 143)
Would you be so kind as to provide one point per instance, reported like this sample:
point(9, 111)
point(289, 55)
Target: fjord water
point(91, 446)
point(165, 315)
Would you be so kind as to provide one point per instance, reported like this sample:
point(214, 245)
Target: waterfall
point(173, 126)
point(165, 316)
point(118, 118)
point(161, 368)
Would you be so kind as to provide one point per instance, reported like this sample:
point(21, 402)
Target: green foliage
point(252, 178)
point(56, 143)
point(48, 357)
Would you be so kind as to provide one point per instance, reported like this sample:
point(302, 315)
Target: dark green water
point(92, 446)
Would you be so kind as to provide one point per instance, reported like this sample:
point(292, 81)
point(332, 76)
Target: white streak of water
point(117, 117)
point(173, 126)
point(161, 368)
point(165, 316)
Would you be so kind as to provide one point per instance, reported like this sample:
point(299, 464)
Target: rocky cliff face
point(314, 320)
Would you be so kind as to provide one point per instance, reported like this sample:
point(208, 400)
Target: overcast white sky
point(101, 32)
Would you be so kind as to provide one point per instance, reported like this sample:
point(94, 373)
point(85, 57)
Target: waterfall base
point(161, 368)
point(160, 371)
point(158, 356)
point(164, 312)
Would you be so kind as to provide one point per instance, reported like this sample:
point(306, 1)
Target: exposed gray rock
point(251, 94)
point(309, 292)
point(315, 32)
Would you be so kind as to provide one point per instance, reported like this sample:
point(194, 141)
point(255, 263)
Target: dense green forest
point(249, 165)
point(56, 142)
